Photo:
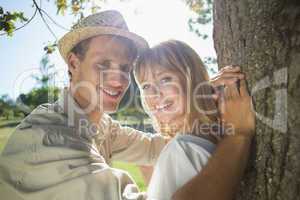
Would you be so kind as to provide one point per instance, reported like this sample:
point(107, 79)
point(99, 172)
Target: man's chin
point(110, 109)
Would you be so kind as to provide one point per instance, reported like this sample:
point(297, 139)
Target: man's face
point(103, 75)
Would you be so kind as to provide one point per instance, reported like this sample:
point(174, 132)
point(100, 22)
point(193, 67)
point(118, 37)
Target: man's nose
point(118, 79)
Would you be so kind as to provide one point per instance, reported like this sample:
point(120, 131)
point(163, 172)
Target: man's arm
point(130, 145)
point(146, 172)
point(221, 176)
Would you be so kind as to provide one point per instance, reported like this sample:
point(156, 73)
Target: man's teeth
point(111, 93)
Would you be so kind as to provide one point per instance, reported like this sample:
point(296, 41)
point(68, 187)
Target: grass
point(7, 127)
point(4, 134)
point(134, 171)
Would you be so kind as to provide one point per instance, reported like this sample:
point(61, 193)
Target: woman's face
point(164, 94)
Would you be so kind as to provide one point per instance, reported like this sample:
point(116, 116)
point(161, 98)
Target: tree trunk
point(263, 37)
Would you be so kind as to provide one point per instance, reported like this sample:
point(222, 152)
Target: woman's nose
point(155, 97)
point(155, 91)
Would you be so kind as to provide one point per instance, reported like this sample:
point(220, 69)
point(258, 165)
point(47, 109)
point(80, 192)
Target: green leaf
point(8, 20)
point(50, 48)
point(95, 9)
point(61, 6)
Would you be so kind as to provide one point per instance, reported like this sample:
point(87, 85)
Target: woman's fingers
point(239, 75)
point(228, 75)
point(230, 68)
point(231, 92)
point(219, 97)
point(223, 81)
point(243, 89)
point(226, 78)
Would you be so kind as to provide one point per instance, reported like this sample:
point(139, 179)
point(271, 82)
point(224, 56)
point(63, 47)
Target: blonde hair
point(178, 56)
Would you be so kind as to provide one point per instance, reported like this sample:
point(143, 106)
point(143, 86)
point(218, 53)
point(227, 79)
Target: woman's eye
point(146, 86)
point(166, 80)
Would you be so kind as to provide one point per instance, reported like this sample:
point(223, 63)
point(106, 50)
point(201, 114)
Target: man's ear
point(73, 65)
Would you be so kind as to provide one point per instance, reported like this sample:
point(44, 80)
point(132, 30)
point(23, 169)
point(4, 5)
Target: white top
point(181, 159)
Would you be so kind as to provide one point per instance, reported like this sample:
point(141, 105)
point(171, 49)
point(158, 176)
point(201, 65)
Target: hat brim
point(69, 40)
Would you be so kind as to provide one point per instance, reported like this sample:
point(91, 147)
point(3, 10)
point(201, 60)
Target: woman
point(178, 97)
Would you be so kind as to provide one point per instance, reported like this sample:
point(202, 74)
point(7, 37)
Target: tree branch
point(54, 22)
point(42, 16)
point(31, 18)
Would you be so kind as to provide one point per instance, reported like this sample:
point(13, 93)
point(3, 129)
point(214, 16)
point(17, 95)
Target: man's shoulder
point(32, 128)
point(46, 114)
point(43, 117)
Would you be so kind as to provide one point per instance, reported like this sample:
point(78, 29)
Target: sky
point(155, 20)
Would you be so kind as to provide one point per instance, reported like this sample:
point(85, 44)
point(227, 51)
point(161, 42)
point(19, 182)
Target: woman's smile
point(164, 107)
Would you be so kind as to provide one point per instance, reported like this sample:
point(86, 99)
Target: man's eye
point(126, 68)
point(102, 66)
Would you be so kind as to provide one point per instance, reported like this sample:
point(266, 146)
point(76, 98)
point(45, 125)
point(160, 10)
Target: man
point(63, 150)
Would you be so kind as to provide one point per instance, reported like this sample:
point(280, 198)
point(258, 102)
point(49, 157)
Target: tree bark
point(263, 37)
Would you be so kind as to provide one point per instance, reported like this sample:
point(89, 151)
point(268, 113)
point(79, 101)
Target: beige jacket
point(55, 153)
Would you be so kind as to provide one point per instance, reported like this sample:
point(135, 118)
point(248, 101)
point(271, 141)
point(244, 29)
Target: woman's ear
point(73, 66)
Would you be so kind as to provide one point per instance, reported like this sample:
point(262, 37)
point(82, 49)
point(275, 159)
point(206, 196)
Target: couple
point(64, 150)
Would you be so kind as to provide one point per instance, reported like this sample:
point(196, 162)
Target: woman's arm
point(221, 176)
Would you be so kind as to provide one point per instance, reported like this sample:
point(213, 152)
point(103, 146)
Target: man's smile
point(112, 93)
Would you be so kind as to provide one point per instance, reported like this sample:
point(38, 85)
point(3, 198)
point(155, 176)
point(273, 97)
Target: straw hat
point(108, 22)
